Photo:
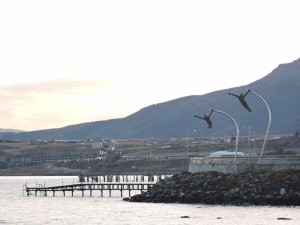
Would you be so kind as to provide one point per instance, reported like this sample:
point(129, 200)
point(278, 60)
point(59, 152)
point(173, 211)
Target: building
point(226, 154)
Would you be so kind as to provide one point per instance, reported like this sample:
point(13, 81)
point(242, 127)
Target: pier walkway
point(86, 184)
point(108, 186)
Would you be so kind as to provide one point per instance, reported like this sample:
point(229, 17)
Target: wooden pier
point(108, 186)
point(101, 184)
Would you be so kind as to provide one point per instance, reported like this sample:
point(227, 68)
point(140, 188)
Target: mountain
point(9, 130)
point(280, 89)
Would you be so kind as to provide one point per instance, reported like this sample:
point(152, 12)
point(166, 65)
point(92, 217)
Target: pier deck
point(82, 187)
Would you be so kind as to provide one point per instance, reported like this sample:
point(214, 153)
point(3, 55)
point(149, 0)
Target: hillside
point(280, 89)
point(9, 130)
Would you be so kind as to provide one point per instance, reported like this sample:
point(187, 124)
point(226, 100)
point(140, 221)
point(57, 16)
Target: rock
point(234, 190)
point(185, 217)
point(244, 197)
point(282, 191)
point(255, 188)
point(283, 218)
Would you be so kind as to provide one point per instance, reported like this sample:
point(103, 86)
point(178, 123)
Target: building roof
point(225, 153)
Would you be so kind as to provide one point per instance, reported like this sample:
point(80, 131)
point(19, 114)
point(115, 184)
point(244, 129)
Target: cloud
point(54, 86)
point(24, 94)
point(52, 103)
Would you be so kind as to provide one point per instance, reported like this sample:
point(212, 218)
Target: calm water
point(18, 209)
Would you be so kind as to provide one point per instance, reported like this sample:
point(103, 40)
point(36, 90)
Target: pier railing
point(93, 184)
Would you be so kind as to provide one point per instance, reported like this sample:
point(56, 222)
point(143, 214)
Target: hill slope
point(280, 89)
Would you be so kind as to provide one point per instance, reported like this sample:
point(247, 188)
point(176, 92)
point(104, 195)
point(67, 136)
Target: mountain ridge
point(5, 130)
point(175, 118)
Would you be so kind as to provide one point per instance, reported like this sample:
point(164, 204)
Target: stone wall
point(198, 166)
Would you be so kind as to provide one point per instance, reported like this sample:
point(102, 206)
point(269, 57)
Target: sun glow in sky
point(65, 62)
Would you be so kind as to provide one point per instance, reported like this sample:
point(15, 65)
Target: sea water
point(17, 208)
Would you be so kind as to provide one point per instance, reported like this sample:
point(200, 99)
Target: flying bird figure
point(207, 119)
point(242, 100)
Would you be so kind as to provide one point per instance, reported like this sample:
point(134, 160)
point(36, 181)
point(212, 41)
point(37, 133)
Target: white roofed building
point(226, 154)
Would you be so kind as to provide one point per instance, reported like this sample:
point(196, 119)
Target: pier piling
point(101, 183)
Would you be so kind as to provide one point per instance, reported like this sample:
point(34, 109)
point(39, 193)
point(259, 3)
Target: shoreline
point(277, 188)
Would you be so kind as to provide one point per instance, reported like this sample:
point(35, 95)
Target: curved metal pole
point(237, 134)
point(269, 124)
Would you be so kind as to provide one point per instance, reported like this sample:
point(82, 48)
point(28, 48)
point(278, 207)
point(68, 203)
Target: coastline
point(276, 188)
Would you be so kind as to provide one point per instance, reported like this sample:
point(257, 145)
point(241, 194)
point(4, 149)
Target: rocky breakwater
point(281, 188)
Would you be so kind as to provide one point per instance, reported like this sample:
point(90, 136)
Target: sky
point(65, 62)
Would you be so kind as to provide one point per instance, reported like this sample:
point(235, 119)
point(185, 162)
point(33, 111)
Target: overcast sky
point(67, 62)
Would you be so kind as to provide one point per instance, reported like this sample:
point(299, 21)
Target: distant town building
point(226, 154)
